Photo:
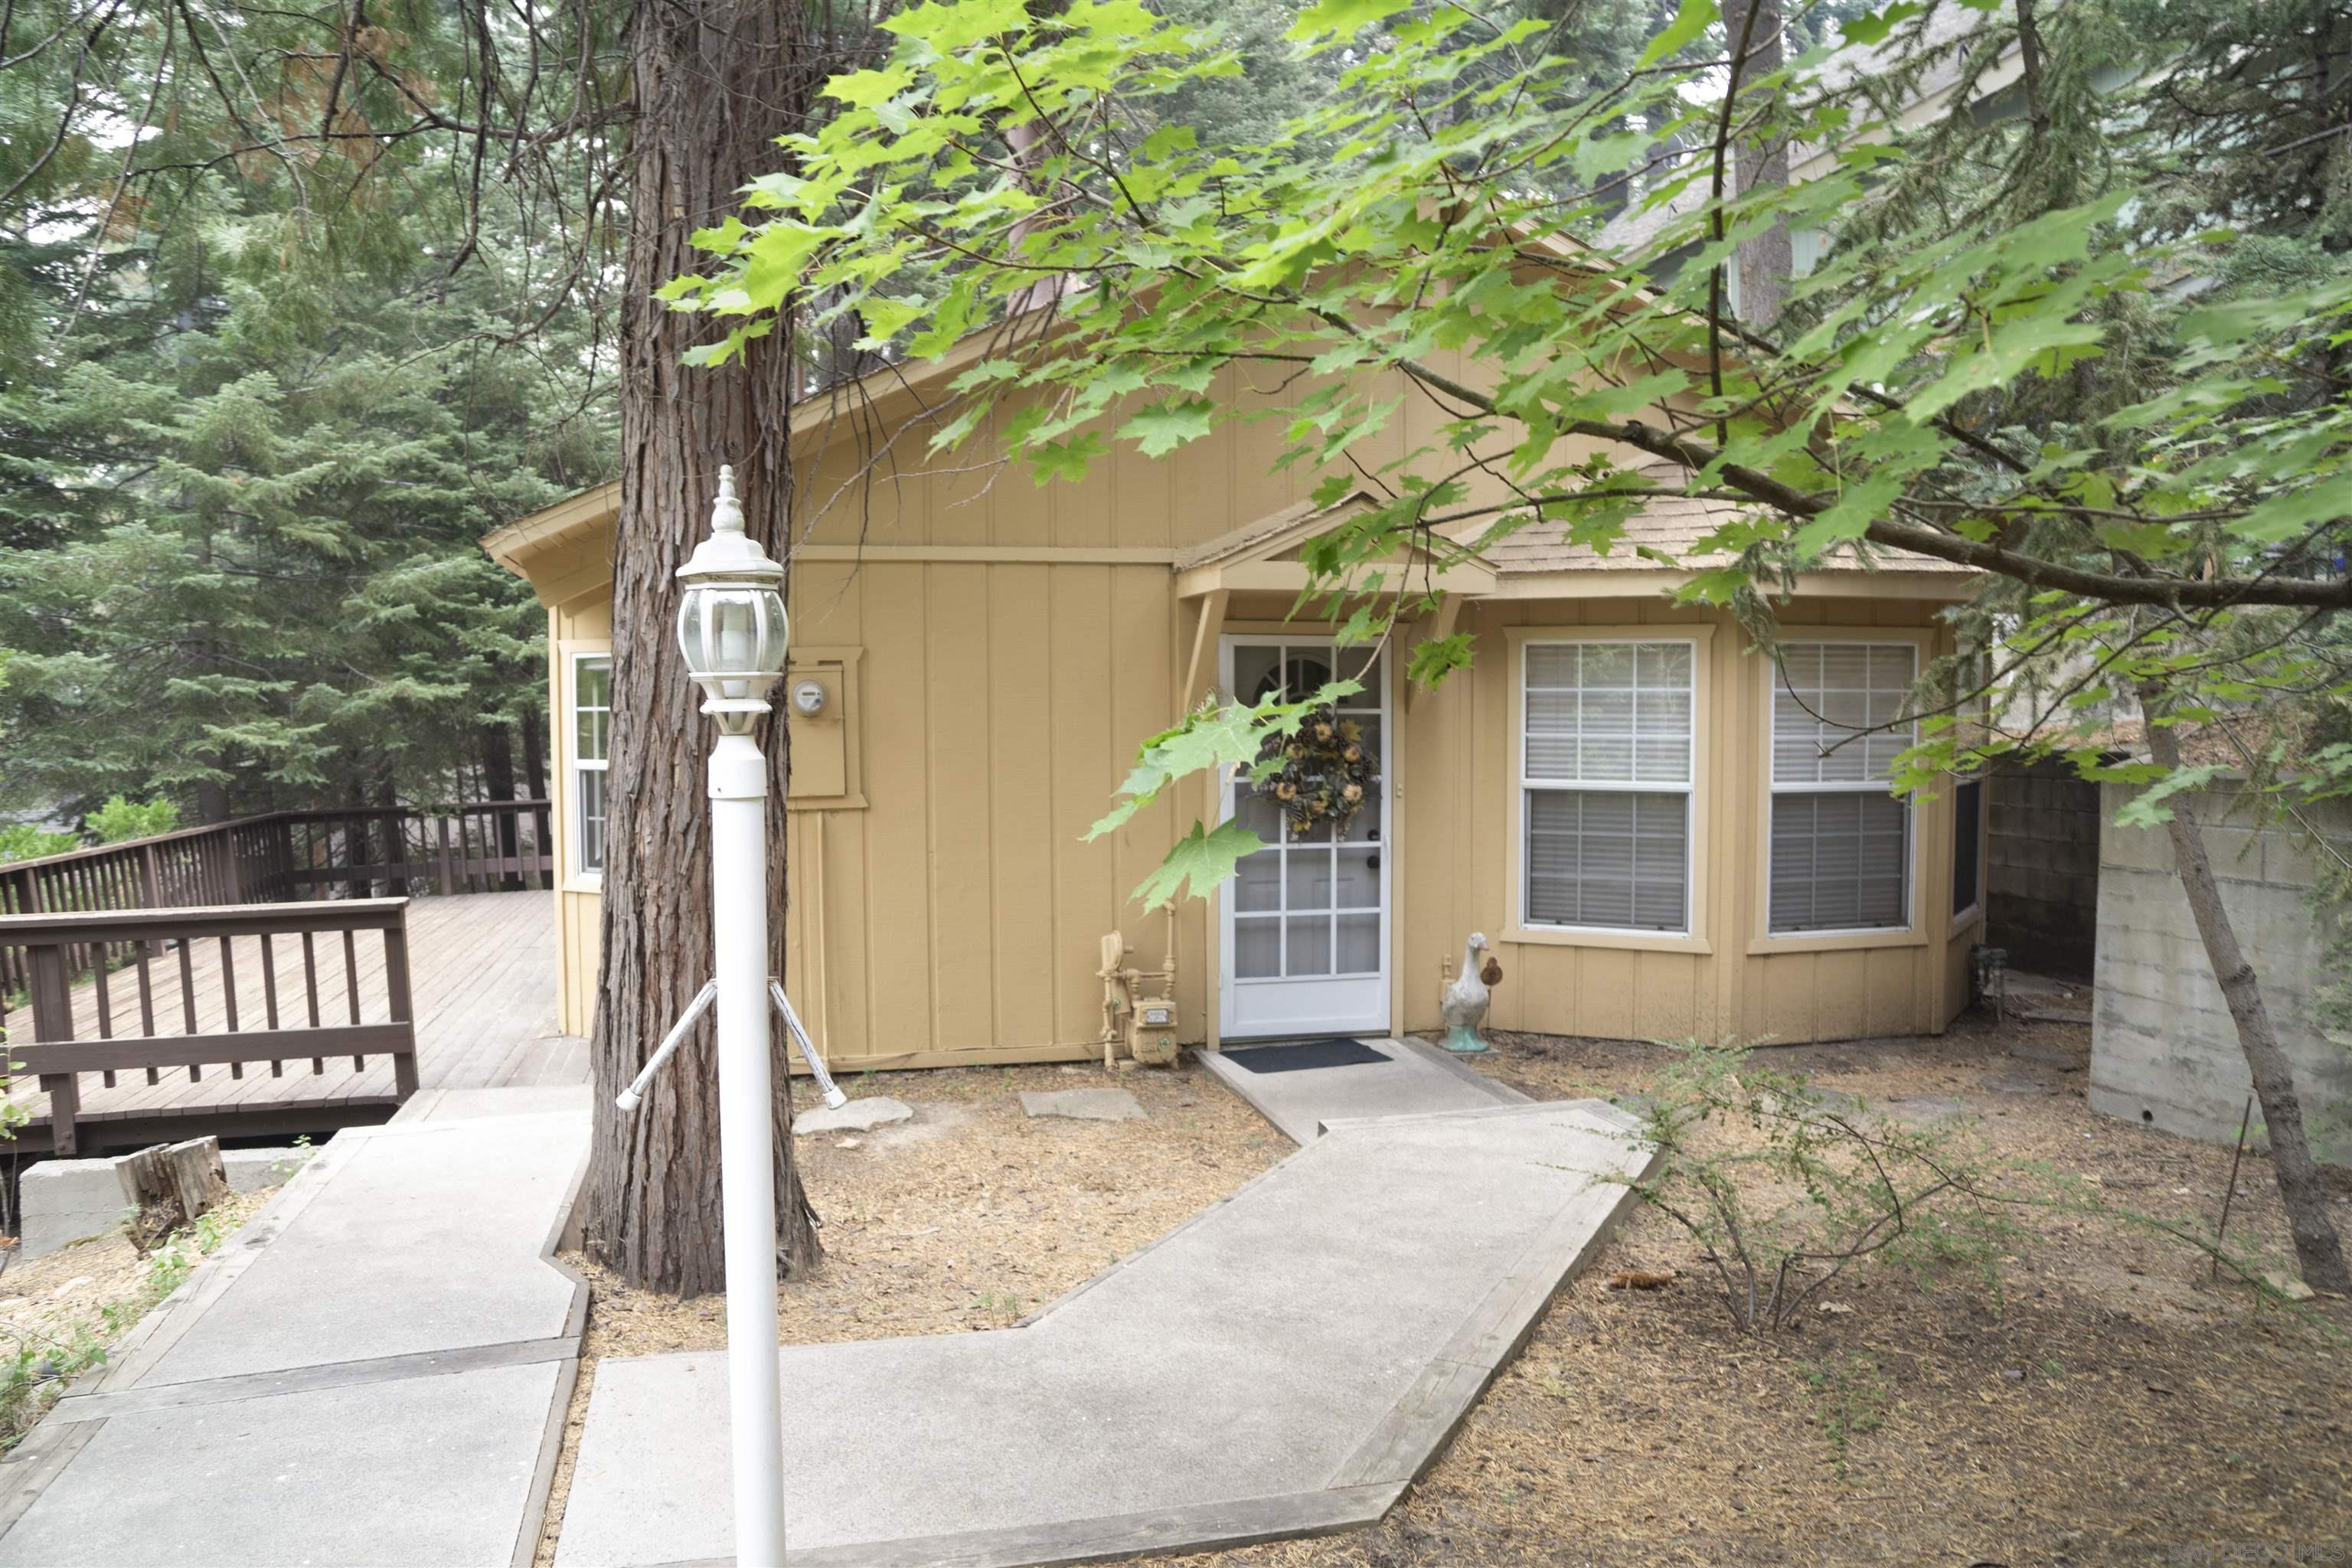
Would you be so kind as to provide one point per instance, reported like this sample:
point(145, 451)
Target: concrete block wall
point(2164, 1050)
point(2042, 867)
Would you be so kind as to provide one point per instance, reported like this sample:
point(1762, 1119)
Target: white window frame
point(576, 874)
point(1522, 819)
point(1776, 680)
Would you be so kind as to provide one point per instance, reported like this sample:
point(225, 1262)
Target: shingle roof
point(1673, 525)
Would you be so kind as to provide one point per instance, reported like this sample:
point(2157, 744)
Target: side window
point(592, 738)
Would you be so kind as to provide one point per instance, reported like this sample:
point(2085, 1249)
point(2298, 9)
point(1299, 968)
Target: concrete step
point(1415, 1079)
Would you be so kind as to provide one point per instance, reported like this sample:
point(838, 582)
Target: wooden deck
point(482, 971)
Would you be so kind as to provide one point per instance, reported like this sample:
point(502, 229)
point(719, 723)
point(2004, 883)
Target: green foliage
point(1785, 1187)
point(1996, 360)
point(120, 819)
point(23, 841)
point(36, 1367)
point(1850, 1397)
point(266, 587)
point(1221, 741)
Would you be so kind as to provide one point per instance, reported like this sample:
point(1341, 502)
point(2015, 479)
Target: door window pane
point(1309, 950)
point(1359, 945)
point(1257, 881)
point(1257, 948)
point(1306, 879)
point(1359, 881)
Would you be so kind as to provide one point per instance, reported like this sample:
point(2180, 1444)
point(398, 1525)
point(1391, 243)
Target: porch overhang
point(1261, 557)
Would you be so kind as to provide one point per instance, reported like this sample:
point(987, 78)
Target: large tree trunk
point(716, 81)
point(2316, 1247)
point(1765, 262)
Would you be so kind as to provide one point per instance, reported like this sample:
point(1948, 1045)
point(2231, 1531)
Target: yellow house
point(1633, 806)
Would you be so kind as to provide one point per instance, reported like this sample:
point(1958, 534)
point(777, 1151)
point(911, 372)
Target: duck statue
point(1463, 1005)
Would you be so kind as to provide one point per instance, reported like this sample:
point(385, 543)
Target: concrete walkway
point(374, 1371)
point(1284, 1363)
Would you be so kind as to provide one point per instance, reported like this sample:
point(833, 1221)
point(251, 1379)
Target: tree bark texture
point(716, 82)
point(1767, 261)
point(499, 784)
point(2316, 1246)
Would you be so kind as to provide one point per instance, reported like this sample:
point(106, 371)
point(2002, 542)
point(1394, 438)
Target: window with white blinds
point(592, 720)
point(1605, 783)
point(1840, 841)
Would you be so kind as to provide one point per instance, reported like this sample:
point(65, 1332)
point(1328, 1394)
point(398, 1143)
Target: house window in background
point(592, 732)
point(1605, 783)
point(1840, 841)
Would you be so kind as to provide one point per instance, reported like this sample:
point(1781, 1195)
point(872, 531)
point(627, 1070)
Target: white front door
point(1304, 932)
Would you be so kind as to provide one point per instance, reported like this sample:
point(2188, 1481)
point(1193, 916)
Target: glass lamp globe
point(730, 618)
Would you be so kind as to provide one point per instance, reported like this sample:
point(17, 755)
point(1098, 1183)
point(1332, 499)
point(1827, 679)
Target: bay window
point(1605, 777)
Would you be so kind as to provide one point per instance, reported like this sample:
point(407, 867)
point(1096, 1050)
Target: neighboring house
point(1620, 793)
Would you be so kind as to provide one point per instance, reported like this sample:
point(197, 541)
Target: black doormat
point(1332, 1053)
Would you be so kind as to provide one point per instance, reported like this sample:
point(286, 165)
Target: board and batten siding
point(995, 650)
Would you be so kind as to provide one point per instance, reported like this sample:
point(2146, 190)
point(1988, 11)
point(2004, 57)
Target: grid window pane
point(1257, 882)
point(592, 819)
point(592, 736)
point(1840, 861)
point(1601, 714)
point(592, 709)
point(1615, 860)
point(1609, 712)
point(1257, 948)
point(1359, 945)
point(1830, 710)
point(1310, 945)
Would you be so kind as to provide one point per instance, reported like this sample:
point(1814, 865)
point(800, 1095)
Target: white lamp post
point(731, 625)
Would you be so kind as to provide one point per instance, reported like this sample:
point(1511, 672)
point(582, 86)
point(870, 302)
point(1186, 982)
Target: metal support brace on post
point(833, 1098)
point(633, 1096)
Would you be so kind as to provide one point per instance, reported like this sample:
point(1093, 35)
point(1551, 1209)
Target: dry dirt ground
point(2109, 1408)
point(58, 1314)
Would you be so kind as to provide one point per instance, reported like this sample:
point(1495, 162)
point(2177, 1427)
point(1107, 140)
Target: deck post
point(53, 1021)
point(400, 1001)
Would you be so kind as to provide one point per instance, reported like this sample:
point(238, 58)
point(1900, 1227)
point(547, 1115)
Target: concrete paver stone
point(1083, 1104)
point(858, 1116)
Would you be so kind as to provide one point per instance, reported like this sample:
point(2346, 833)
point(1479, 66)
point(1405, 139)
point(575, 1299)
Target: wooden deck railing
point(347, 852)
point(295, 1020)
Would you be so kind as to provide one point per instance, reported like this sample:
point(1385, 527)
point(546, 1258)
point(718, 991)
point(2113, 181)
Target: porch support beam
point(1202, 667)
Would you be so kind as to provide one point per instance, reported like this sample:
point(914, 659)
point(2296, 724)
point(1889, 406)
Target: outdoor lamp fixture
point(731, 627)
point(730, 619)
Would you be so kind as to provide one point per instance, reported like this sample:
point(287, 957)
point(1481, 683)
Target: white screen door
point(1304, 932)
